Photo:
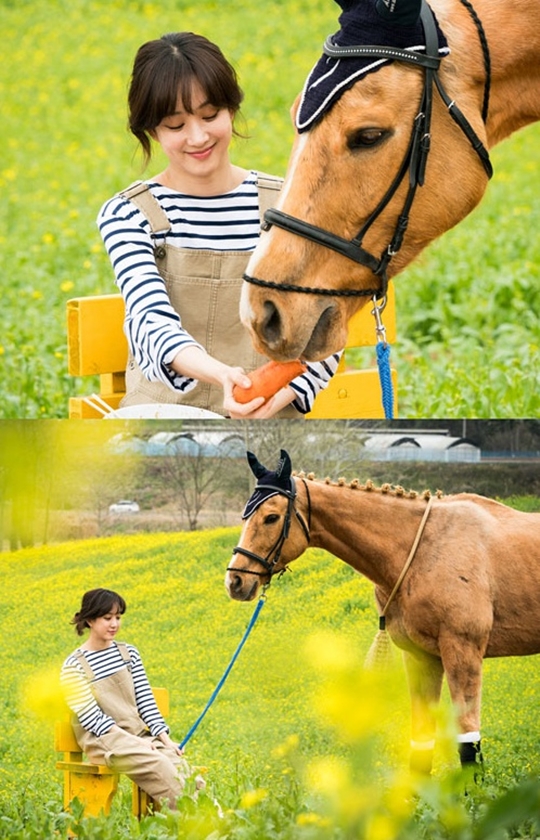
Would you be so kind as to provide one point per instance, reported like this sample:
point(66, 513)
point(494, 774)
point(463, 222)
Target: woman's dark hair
point(95, 603)
point(165, 69)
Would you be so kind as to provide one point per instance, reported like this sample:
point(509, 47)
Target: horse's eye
point(365, 138)
point(271, 519)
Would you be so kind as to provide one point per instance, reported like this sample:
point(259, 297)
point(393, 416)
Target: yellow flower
point(329, 652)
point(329, 775)
point(380, 827)
point(289, 745)
point(253, 797)
point(67, 285)
point(43, 695)
point(313, 819)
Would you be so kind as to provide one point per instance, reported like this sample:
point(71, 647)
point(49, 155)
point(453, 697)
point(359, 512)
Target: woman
point(117, 721)
point(179, 242)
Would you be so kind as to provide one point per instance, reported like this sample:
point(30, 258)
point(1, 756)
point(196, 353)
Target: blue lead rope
point(383, 359)
point(385, 377)
point(219, 686)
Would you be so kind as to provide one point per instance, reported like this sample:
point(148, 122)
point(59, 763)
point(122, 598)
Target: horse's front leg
point(462, 660)
point(424, 674)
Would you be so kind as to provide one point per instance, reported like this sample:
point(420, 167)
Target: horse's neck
point(369, 530)
point(512, 29)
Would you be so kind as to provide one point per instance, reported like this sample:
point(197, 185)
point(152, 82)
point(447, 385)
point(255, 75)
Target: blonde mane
point(386, 488)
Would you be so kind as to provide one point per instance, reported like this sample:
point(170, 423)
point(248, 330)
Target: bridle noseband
point(273, 556)
point(414, 163)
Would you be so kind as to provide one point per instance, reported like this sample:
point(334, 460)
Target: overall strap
point(83, 662)
point(124, 653)
point(268, 187)
point(139, 194)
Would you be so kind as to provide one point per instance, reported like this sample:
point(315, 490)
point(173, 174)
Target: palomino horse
point(350, 215)
point(472, 589)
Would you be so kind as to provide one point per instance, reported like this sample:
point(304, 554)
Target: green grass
point(467, 311)
point(301, 743)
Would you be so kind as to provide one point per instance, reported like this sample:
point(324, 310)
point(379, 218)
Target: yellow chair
point(94, 785)
point(97, 345)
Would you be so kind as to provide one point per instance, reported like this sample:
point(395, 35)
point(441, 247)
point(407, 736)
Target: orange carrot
point(268, 379)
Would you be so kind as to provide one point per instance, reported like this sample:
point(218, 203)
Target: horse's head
point(274, 533)
point(361, 144)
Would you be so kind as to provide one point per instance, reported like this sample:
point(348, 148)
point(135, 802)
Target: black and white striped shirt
point(104, 663)
point(228, 222)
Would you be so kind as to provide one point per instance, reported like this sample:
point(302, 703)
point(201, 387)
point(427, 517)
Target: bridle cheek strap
point(269, 567)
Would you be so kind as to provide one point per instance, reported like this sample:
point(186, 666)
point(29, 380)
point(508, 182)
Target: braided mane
point(370, 487)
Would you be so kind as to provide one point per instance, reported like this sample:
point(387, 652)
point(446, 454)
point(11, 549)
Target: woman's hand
point(269, 408)
point(196, 362)
point(232, 376)
point(165, 738)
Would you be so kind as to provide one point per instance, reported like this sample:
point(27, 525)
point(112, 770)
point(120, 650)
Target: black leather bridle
point(272, 558)
point(414, 163)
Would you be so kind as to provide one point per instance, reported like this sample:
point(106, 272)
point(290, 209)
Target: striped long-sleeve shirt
point(104, 663)
point(228, 222)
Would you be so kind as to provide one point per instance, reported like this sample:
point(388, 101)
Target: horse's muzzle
point(240, 587)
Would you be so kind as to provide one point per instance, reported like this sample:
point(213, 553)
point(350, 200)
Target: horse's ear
point(256, 467)
point(284, 466)
point(400, 12)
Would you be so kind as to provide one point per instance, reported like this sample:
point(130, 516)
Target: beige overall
point(204, 289)
point(129, 747)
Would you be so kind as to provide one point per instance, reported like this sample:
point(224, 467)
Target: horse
point(400, 157)
point(457, 579)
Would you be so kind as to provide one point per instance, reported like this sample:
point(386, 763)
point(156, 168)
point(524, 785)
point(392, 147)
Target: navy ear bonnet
point(383, 23)
point(269, 483)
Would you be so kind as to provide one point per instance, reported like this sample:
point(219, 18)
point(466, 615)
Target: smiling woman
point(180, 241)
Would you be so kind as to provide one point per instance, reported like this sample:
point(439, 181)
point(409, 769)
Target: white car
point(124, 506)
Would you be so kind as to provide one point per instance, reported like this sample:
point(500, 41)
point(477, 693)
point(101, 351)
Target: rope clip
point(377, 311)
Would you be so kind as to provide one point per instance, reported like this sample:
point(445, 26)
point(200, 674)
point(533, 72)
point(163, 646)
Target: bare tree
point(195, 477)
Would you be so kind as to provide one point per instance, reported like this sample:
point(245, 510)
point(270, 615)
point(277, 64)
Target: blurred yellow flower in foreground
point(289, 745)
point(352, 699)
point(253, 797)
point(43, 695)
point(329, 652)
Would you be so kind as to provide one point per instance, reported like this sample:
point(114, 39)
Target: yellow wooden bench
point(97, 345)
point(94, 785)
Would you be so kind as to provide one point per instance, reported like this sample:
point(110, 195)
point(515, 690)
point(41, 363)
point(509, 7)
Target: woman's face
point(196, 144)
point(104, 629)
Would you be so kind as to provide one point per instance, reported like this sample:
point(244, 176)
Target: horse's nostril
point(271, 323)
point(319, 337)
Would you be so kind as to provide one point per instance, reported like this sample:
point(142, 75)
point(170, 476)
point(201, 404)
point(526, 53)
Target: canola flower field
point(467, 311)
point(301, 743)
